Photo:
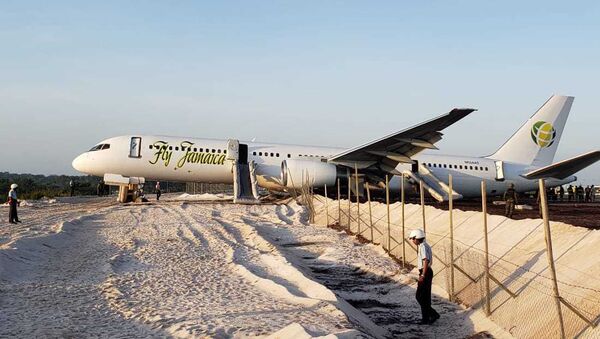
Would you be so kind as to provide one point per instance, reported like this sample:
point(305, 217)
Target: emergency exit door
point(135, 147)
point(499, 170)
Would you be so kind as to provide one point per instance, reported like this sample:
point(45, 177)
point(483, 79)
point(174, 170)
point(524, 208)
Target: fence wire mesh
point(521, 298)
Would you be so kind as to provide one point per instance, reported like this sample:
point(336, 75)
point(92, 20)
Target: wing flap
point(565, 168)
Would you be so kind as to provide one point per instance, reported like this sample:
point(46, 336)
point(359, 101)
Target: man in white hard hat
point(12, 202)
point(424, 261)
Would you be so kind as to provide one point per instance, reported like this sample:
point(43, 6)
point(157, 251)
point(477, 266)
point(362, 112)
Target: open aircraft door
point(499, 170)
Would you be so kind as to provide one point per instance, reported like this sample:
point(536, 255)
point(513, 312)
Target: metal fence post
point(550, 255)
point(370, 212)
point(488, 309)
point(349, 201)
point(349, 193)
point(326, 208)
point(403, 231)
point(450, 208)
point(339, 203)
point(357, 199)
point(422, 193)
point(387, 202)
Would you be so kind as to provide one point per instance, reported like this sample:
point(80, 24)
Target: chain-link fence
point(521, 296)
point(201, 188)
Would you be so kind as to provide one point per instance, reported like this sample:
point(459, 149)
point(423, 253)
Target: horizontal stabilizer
point(565, 168)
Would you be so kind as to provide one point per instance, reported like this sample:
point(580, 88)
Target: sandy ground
point(92, 268)
point(517, 258)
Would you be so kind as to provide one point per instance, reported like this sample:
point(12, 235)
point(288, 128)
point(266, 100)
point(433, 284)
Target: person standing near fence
point(13, 202)
point(561, 192)
point(510, 198)
point(157, 189)
point(424, 261)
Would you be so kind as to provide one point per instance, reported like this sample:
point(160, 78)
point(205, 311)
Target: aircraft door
point(233, 149)
point(135, 147)
point(499, 170)
point(243, 154)
point(415, 166)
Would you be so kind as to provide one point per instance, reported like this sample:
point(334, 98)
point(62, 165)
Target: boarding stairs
point(245, 189)
point(436, 187)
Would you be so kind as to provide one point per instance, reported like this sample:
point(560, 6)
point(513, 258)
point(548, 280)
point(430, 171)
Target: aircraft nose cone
point(78, 163)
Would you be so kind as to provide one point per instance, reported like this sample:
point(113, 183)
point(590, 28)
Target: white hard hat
point(418, 234)
point(13, 186)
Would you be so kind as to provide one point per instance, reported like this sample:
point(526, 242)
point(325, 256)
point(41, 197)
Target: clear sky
point(336, 73)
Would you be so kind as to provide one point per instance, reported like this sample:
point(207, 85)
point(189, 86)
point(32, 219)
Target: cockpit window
point(99, 147)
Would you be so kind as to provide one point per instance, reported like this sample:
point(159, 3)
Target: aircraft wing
point(385, 153)
point(565, 168)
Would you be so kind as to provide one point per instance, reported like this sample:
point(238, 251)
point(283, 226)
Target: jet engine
point(295, 172)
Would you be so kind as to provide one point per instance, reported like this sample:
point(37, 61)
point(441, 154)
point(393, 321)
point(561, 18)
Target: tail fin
point(535, 143)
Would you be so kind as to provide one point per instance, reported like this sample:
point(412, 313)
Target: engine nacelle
point(295, 172)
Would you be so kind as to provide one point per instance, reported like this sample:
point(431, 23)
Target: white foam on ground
point(190, 270)
point(203, 197)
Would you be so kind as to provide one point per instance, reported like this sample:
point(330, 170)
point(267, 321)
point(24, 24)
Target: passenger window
point(195, 149)
point(271, 154)
point(260, 153)
point(177, 148)
point(277, 154)
point(444, 165)
point(486, 168)
point(170, 148)
point(150, 146)
point(253, 153)
point(470, 167)
point(218, 151)
point(213, 150)
point(289, 155)
point(460, 167)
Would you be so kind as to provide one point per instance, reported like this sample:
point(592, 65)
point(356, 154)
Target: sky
point(335, 73)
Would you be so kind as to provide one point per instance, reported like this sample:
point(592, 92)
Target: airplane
point(130, 160)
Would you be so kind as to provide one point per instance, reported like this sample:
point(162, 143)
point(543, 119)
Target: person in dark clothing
point(561, 193)
point(587, 194)
point(510, 197)
point(570, 191)
point(72, 187)
point(100, 188)
point(13, 218)
point(424, 262)
point(158, 192)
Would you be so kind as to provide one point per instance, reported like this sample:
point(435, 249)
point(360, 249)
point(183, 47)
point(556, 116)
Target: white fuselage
point(164, 158)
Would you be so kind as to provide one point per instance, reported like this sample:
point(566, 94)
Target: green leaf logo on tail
point(543, 134)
